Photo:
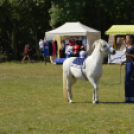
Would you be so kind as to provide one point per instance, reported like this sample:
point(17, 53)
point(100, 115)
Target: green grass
point(31, 102)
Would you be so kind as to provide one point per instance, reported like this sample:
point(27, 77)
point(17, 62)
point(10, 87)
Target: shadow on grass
point(106, 102)
point(112, 102)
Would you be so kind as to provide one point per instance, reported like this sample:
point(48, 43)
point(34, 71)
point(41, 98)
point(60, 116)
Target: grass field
point(31, 102)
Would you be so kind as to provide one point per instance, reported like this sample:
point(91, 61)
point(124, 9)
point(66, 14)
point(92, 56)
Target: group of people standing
point(69, 48)
point(73, 49)
point(48, 48)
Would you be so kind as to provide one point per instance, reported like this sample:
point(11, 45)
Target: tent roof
point(120, 30)
point(71, 29)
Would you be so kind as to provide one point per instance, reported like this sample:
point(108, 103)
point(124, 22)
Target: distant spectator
point(41, 46)
point(26, 50)
point(76, 47)
point(82, 53)
point(76, 53)
point(62, 52)
point(69, 51)
point(84, 43)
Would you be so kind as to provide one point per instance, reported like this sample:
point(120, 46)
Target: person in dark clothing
point(62, 52)
point(129, 69)
point(76, 53)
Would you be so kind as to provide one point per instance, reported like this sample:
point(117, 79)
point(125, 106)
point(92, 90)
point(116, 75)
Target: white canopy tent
point(76, 29)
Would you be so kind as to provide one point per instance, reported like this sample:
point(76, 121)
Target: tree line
point(26, 21)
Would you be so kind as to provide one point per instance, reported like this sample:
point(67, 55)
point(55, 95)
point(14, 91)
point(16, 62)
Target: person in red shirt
point(76, 47)
point(26, 53)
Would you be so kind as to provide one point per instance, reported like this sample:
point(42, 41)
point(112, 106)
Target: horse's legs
point(95, 93)
point(70, 82)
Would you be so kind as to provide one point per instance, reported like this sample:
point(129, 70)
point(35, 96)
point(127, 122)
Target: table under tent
point(117, 36)
point(73, 30)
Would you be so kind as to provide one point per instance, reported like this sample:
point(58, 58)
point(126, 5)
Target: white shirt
point(84, 42)
point(70, 48)
point(82, 54)
point(67, 41)
point(41, 45)
point(66, 48)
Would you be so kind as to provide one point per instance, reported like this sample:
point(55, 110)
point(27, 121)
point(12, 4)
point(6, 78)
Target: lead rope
point(120, 81)
point(120, 71)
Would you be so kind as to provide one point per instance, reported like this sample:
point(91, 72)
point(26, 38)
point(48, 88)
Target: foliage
point(22, 22)
point(100, 14)
point(26, 21)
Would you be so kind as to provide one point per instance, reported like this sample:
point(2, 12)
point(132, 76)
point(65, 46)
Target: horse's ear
point(96, 43)
point(93, 46)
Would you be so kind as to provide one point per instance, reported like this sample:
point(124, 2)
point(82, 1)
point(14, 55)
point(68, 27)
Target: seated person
point(84, 43)
point(76, 53)
point(82, 53)
point(84, 47)
point(69, 51)
point(76, 47)
point(62, 52)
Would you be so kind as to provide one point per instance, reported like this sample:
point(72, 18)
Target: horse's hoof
point(70, 101)
point(95, 102)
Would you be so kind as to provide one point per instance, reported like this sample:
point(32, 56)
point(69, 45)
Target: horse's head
point(104, 47)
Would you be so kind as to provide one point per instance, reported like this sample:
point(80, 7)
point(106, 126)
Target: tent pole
point(114, 43)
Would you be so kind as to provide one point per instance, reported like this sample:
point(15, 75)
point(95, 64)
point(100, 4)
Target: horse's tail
point(65, 91)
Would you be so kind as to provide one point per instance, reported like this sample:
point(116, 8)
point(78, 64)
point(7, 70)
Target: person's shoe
point(131, 102)
point(127, 101)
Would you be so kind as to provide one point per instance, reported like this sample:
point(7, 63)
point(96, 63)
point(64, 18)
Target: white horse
point(92, 71)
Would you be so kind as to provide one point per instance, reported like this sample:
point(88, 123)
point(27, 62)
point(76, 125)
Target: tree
point(23, 22)
point(99, 14)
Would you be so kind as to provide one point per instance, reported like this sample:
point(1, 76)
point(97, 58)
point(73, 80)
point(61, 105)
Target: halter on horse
point(92, 71)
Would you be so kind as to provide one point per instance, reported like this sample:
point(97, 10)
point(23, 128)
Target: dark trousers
point(129, 83)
